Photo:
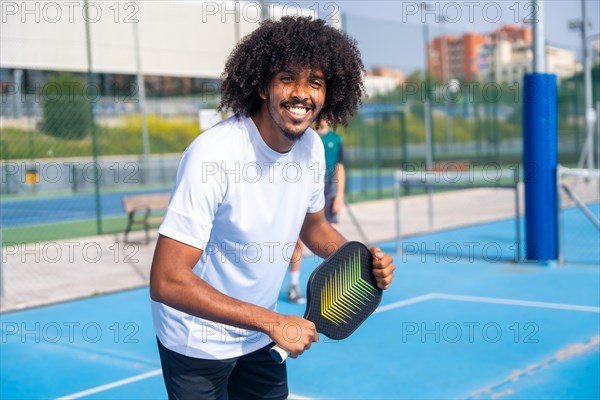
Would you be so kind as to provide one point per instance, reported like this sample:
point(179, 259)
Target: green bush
point(167, 135)
point(67, 113)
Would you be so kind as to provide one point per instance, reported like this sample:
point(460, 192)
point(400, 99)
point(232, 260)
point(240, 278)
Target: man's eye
point(286, 79)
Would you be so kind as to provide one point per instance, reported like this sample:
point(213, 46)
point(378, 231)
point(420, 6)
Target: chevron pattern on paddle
point(345, 292)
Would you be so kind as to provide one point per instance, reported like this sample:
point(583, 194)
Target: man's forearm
point(319, 236)
point(173, 283)
point(198, 298)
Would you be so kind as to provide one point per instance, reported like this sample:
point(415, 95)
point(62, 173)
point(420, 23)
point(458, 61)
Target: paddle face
point(342, 292)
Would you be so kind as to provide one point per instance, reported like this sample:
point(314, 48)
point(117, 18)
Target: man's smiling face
point(294, 100)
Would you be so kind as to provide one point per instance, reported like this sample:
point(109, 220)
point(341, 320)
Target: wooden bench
point(451, 166)
point(139, 208)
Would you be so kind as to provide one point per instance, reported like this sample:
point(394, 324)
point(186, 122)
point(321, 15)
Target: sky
point(391, 32)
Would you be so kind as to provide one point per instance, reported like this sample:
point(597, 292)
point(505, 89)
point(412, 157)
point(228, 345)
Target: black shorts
point(251, 376)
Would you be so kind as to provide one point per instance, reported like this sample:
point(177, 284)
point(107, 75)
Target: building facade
point(181, 46)
point(380, 80)
point(503, 56)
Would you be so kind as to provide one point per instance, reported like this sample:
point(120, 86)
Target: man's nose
point(300, 90)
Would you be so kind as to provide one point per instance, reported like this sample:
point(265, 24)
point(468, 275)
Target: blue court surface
point(466, 323)
point(73, 207)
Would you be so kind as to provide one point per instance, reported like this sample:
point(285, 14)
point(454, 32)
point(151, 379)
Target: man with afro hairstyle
point(245, 190)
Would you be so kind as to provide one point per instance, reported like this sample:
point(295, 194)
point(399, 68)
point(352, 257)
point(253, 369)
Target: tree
point(67, 113)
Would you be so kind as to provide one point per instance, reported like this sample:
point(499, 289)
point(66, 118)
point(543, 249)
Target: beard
point(292, 135)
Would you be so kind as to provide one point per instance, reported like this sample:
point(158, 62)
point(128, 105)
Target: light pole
point(446, 81)
point(141, 100)
point(587, 154)
point(427, 114)
point(539, 41)
point(264, 11)
point(90, 78)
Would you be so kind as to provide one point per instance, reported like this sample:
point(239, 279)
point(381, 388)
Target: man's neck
point(270, 132)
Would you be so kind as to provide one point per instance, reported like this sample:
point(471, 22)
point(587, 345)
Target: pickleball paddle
point(341, 294)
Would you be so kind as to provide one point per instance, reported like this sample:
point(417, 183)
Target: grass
point(63, 230)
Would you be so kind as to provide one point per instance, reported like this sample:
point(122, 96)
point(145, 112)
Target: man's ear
point(262, 93)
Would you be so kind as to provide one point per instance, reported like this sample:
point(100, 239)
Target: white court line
point(292, 396)
point(156, 372)
point(112, 385)
point(405, 303)
point(388, 307)
point(136, 378)
point(522, 303)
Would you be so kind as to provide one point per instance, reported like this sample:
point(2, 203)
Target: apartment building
point(503, 56)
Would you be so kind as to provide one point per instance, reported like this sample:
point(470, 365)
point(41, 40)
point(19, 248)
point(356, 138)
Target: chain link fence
point(71, 144)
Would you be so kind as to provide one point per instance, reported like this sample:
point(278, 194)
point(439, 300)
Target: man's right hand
point(293, 334)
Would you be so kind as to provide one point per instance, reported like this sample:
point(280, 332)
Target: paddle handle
point(278, 354)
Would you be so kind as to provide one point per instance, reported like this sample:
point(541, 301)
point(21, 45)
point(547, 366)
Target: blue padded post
point(540, 157)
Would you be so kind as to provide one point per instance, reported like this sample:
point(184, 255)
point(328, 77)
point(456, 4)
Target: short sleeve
point(199, 190)
point(317, 200)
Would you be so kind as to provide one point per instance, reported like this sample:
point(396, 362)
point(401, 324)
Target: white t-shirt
point(243, 204)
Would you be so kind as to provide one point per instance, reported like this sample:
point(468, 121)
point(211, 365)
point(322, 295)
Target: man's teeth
point(298, 110)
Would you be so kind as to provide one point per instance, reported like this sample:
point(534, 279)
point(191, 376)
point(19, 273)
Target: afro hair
point(287, 44)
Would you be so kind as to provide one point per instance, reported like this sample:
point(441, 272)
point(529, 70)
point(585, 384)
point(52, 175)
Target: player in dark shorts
point(220, 258)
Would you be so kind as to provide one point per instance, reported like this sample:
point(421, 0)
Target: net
point(579, 211)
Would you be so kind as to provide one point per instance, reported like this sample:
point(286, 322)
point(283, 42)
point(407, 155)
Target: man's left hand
point(383, 269)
